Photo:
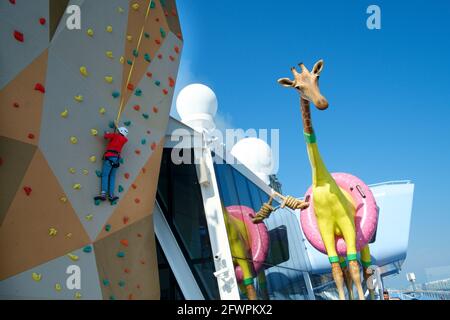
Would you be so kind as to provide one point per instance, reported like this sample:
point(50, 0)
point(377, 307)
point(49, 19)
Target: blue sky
point(388, 90)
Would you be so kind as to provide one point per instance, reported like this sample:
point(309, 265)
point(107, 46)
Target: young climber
point(111, 161)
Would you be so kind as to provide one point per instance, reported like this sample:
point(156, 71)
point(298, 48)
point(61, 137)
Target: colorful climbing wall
point(60, 90)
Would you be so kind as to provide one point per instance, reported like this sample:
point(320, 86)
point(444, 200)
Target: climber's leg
point(326, 229)
point(104, 180)
point(112, 181)
point(366, 261)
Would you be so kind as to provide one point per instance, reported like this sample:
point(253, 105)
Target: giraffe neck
point(320, 172)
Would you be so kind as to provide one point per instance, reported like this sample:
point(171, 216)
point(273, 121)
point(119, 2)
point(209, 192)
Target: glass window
point(169, 288)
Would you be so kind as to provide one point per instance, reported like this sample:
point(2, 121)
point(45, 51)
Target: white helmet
point(123, 131)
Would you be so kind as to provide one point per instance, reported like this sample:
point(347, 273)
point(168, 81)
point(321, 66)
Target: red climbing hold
point(124, 242)
point(137, 107)
point(42, 21)
point(171, 82)
point(158, 42)
point(27, 190)
point(127, 175)
point(155, 109)
point(160, 56)
point(165, 92)
point(31, 136)
point(177, 49)
point(171, 58)
point(149, 74)
point(144, 170)
point(174, 13)
point(16, 105)
point(153, 146)
point(126, 270)
point(12, 1)
point(137, 200)
point(134, 186)
point(137, 151)
point(125, 220)
point(39, 87)
point(130, 87)
point(19, 36)
point(179, 36)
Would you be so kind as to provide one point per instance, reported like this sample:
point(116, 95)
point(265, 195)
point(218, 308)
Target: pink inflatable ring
point(258, 237)
point(366, 215)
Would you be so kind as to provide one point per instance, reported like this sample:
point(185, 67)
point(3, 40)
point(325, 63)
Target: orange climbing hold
point(130, 87)
point(134, 186)
point(171, 58)
point(153, 146)
point(171, 82)
point(124, 242)
point(137, 151)
point(137, 200)
point(176, 49)
point(158, 42)
point(155, 109)
point(125, 220)
point(127, 176)
point(126, 270)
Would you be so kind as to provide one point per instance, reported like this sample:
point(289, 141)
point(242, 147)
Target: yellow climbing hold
point(89, 217)
point(73, 140)
point(73, 257)
point(135, 6)
point(52, 232)
point(58, 287)
point(120, 9)
point(36, 276)
point(65, 113)
point(72, 170)
point(77, 186)
point(109, 79)
point(69, 235)
point(83, 71)
point(77, 295)
point(92, 159)
point(122, 60)
point(79, 98)
point(90, 32)
point(94, 132)
point(63, 199)
point(129, 38)
point(109, 54)
point(102, 111)
point(109, 28)
point(85, 172)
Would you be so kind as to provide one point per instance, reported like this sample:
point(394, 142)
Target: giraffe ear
point(286, 82)
point(318, 67)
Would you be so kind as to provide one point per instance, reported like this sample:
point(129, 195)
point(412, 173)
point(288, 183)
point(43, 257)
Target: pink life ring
point(258, 234)
point(366, 216)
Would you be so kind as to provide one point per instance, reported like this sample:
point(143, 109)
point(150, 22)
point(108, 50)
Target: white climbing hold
point(83, 71)
point(76, 186)
point(79, 98)
point(52, 232)
point(73, 140)
point(65, 113)
point(109, 79)
point(36, 276)
point(73, 257)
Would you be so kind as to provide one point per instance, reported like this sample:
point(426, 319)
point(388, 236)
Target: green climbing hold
point(147, 57)
point(129, 62)
point(106, 282)
point(127, 123)
point(135, 53)
point(163, 33)
point(107, 227)
point(97, 202)
point(121, 161)
point(120, 254)
point(152, 5)
point(98, 173)
point(143, 141)
point(87, 249)
point(158, 83)
point(120, 189)
point(145, 115)
point(121, 283)
point(138, 92)
point(116, 94)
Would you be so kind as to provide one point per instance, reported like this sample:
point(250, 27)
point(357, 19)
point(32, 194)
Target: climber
point(111, 161)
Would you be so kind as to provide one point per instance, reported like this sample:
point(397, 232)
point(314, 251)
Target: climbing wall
point(60, 90)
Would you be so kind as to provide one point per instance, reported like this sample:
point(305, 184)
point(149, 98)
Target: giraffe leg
point(348, 231)
point(366, 261)
point(347, 277)
point(327, 232)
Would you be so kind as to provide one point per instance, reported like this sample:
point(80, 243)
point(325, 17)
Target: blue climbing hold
point(127, 123)
point(98, 173)
point(145, 115)
point(121, 161)
point(116, 94)
point(158, 83)
point(87, 249)
point(106, 282)
point(120, 189)
point(143, 141)
point(138, 92)
point(135, 53)
point(121, 254)
point(111, 124)
point(147, 57)
point(129, 62)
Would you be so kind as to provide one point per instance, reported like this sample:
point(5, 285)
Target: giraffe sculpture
point(333, 206)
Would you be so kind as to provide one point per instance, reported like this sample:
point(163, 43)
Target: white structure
point(197, 107)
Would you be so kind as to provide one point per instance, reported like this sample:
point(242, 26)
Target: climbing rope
point(119, 113)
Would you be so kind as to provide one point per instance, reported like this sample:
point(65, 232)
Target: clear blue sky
point(390, 86)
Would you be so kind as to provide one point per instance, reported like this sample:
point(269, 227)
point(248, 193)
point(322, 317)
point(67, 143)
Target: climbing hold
point(19, 36)
point(65, 113)
point(135, 53)
point(121, 254)
point(76, 186)
point(127, 123)
point(121, 283)
point(107, 227)
point(52, 232)
point(97, 202)
point(129, 62)
point(149, 74)
point(116, 94)
point(109, 29)
point(120, 189)
point(137, 107)
point(42, 21)
point(155, 109)
point(171, 82)
point(129, 38)
point(130, 86)
point(98, 173)
point(63, 199)
point(147, 35)
point(120, 9)
point(160, 56)
point(147, 57)
point(157, 83)
point(106, 282)
point(166, 92)
point(102, 111)
point(124, 242)
point(85, 172)
point(158, 42)
point(89, 217)
point(90, 32)
point(134, 186)
point(137, 151)
point(83, 71)
point(171, 58)
point(153, 146)
point(126, 175)
point(143, 141)
point(176, 49)
point(109, 79)
point(12, 1)
point(111, 124)
point(122, 60)
point(58, 287)
point(36, 276)
point(77, 295)
point(163, 33)
point(125, 220)
point(73, 257)
point(121, 161)
point(112, 297)
point(126, 270)
point(73, 140)
point(135, 6)
point(27, 190)
point(92, 159)
point(137, 200)
point(79, 98)
point(139, 235)
point(109, 54)
point(87, 249)
point(138, 92)
point(69, 235)
point(72, 170)
point(94, 132)
point(145, 115)
point(16, 105)
point(31, 136)
point(39, 87)
point(152, 4)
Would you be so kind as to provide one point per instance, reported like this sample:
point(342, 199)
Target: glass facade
point(169, 288)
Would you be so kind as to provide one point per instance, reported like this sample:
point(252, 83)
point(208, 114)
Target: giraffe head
point(307, 84)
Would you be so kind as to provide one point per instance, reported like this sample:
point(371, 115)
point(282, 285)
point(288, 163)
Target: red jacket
point(116, 143)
